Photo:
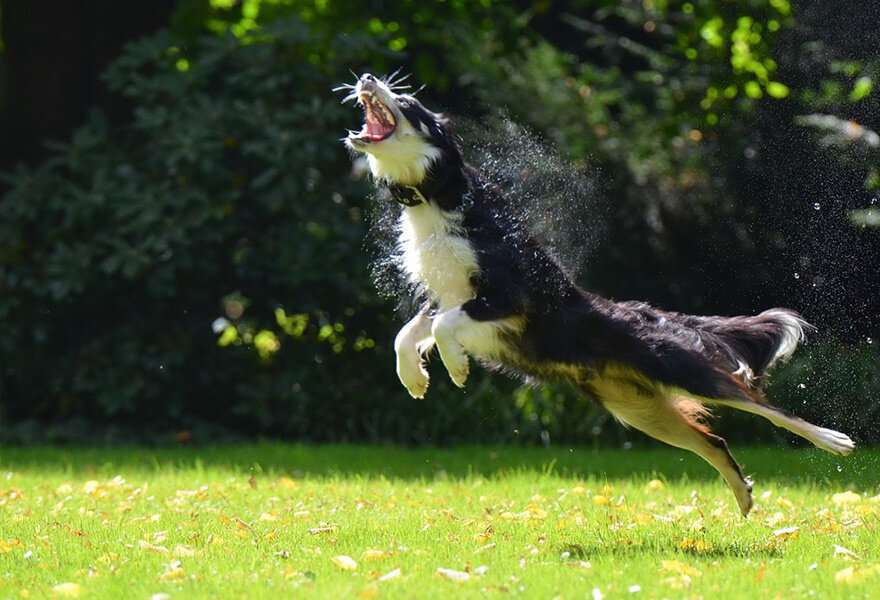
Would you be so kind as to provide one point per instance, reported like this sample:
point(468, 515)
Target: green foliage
point(117, 251)
point(204, 260)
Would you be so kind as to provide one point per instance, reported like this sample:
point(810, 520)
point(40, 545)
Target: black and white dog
point(493, 293)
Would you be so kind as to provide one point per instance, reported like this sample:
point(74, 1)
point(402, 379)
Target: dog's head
point(400, 137)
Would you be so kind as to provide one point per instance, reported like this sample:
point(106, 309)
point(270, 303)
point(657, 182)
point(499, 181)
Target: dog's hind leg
point(674, 421)
point(826, 439)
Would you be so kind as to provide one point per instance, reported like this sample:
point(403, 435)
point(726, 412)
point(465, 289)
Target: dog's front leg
point(411, 342)
point(476, 328)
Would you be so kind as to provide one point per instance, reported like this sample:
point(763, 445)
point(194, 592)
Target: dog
point(490, 291)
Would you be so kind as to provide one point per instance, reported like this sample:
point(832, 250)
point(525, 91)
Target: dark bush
point(203, 266)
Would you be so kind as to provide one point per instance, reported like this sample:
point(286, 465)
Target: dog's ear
point(437, 127)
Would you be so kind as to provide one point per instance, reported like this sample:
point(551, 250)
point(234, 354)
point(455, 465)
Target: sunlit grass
point(334, 522)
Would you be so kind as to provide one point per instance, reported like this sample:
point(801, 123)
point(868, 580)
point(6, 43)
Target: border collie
point(491, 292)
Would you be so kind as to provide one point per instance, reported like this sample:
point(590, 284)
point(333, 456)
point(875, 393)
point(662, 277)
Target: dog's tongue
point(376, 129)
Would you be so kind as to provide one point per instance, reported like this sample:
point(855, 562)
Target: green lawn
point(272, 521)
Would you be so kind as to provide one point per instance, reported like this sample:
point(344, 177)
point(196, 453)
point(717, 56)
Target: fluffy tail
point(749, 346)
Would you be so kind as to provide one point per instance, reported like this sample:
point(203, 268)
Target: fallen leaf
point(845, 498)
point(320, 530)
point(345, 562)
point(481, 570)
point(845, 553)
point(145, 545)
point(851, 575)
point(679, 568)
point(67, 590)
point(390, 575)
point(655, 485)
point(173, 574)
point(453, 575)
point(485, 547)
point(181, 551)
point(375, 554)
point(786, 533)
point(601, 500)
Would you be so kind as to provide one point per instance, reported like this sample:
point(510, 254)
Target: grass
point(270, 520)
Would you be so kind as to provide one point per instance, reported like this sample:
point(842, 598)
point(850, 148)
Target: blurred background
point(182, 236)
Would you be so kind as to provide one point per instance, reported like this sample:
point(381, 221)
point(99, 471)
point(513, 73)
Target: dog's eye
point(403, 103)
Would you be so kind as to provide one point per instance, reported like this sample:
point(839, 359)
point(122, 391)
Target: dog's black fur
point(640, 362)
point(566, 324)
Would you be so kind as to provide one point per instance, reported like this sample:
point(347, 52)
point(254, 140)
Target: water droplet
point(802, 386)
point(816, 206)
point(870, 340)
point(797, 275)
point(839, 469)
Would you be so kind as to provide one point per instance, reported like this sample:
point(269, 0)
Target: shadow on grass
point(781, 465)
point(670, 548)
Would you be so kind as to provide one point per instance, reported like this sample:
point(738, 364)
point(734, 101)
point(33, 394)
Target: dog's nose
point(367, 77)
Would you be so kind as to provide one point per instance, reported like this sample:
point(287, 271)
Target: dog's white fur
point(436, 255)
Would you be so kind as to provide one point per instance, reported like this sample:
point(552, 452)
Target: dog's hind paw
point(832, 441)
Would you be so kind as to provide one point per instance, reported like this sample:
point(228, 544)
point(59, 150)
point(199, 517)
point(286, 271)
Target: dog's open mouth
point(379, 121)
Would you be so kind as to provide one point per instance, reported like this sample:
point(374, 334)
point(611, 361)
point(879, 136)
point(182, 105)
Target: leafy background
point(182, 247)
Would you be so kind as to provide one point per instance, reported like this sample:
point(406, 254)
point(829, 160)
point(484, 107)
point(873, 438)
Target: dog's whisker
point(398, 81)
point(389, 78)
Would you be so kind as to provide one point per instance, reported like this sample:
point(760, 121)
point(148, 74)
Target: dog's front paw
point(413, 376)
point(457, 365)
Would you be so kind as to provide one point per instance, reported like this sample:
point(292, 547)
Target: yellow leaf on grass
point(144, 545)
point(67, 590)
point(845, 498)
point(7, 546)
point(697, 546)
point(390, 575)
point(287, 483)
point(846, 575)
point(452, 574)
point(679, 568)
point(655, 485)
point(181, 551)
point(375, 554)
point(345, 562)
point(852, 575)
point(601, 500)
point(786, 533)
point(845, 553)
point(173, 574)
point(268, 517)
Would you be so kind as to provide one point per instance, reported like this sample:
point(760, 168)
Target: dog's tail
point(749, 346)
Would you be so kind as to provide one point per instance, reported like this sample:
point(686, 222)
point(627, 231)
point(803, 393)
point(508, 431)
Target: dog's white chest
point(436, 255)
